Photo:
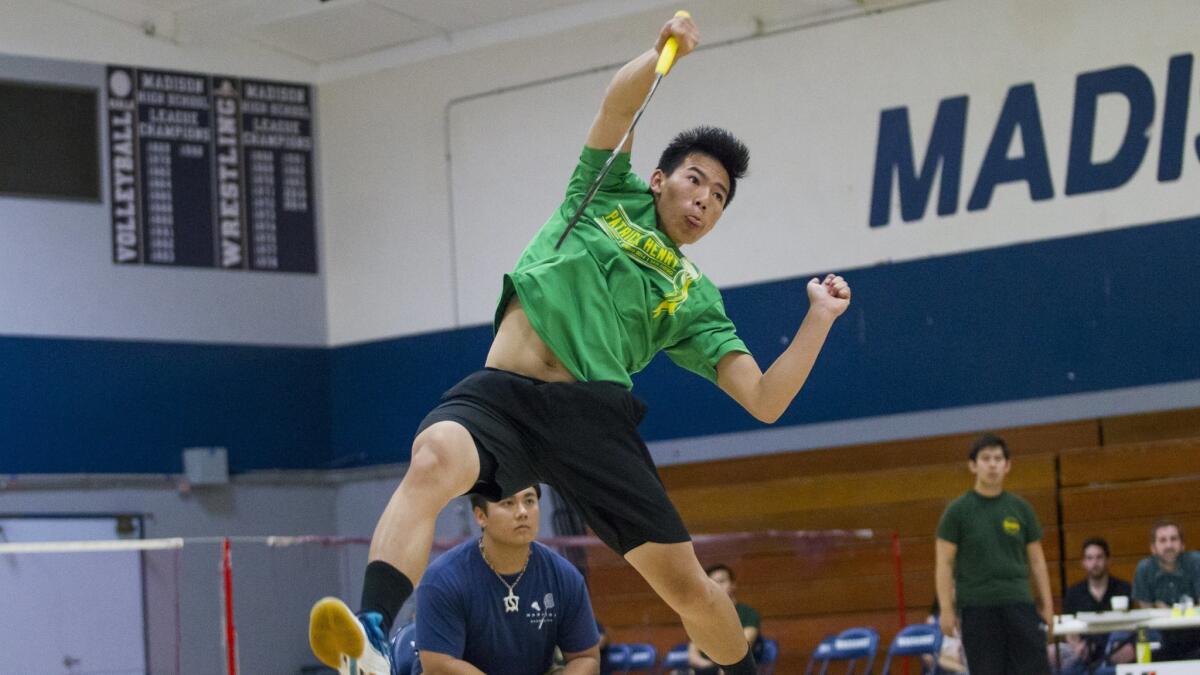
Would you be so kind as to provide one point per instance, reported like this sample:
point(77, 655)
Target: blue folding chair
point(916, 640)
point(676, 659)
point(769, 656)
point(850, 646)
point(618, 657)
point(642, 656)
point(820, 656)
point(1116, 640)
point(404, 650)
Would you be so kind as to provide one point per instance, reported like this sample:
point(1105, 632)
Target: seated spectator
point(1165, 578)
point(951, 658)
point(751, 623)
point(501, 604)
point(1093, 594)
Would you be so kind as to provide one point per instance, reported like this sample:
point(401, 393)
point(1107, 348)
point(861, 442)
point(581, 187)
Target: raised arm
point(767, 395)
point(630, 85)
point(435, 663)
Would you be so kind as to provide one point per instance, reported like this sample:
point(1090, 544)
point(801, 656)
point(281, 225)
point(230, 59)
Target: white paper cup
point(1120, 603)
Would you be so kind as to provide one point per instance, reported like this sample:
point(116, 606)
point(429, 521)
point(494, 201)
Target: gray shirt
point(1152, 584)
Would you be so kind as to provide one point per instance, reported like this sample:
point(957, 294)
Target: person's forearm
point(787, 375)
point(1041, 577)
point(450, 666)
point(583, 665)
point(944, 579)
point(630, 85)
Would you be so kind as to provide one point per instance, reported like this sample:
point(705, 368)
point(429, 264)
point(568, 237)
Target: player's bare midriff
point(518, 348)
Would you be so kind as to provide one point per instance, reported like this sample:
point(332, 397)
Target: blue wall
point(112, 406)
point(1080, 314)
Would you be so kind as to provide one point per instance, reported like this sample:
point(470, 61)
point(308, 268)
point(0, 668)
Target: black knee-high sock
point(385, 589)
point(746, 666)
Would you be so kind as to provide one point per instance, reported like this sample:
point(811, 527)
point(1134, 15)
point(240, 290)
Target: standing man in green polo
point(988, 543)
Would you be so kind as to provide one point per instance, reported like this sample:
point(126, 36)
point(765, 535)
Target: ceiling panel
point(452, 15)
point(340, 31)
point(170, 5)
point(348, 37)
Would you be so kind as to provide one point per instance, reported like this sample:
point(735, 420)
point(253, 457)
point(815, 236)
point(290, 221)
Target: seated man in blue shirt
point(501, 604)
point(1165, 578)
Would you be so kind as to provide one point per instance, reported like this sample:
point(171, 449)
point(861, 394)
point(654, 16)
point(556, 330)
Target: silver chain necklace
point(512, 600)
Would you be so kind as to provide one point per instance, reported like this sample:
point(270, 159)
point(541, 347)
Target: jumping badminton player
point(553, 402)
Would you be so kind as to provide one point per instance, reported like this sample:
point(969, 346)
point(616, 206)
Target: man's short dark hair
point(720, 567)
point(714, 142)
point(480, 502)
point(1096, 541)
point(988, 441)
point(1160, 524)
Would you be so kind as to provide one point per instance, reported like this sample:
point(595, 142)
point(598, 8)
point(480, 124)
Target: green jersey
point(618, 290)
point(991, 533)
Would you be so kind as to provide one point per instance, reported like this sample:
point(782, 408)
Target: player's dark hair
point(480, 502)
point(988, 441)
point(714, 142)
point(720, 567)
point(1096, 541)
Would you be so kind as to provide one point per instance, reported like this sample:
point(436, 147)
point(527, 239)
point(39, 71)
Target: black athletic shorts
point(579, 437)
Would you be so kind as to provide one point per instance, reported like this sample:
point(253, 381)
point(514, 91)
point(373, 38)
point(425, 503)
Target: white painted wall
point(273, 590)
point(415, 243)
point(57, 277)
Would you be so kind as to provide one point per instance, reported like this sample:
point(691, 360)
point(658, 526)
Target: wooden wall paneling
point(1183, 423)
point(1131, 462)
point(731, 501)
point(876, 456)
point(1127, 536)
point(1149, 499)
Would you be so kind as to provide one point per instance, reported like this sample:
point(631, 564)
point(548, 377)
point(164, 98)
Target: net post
point(227, 597)
point(900, 610)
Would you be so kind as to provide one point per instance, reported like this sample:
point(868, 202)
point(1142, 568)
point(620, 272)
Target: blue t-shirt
point(460, 612)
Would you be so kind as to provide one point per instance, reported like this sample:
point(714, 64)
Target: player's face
point(691, 199)
point(990, 466)
point(1167, 544)
point(1095, 563)
point(513, 521)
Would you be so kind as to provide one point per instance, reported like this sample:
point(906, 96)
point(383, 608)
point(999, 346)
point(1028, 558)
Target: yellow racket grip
point(666, 57)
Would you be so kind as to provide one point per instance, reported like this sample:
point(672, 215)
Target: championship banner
point(210, 171)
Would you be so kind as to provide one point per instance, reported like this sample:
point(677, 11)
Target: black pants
point(1004, 640)
point(1179, 645)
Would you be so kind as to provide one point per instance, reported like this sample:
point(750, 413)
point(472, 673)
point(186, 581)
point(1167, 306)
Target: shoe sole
point(334, 632)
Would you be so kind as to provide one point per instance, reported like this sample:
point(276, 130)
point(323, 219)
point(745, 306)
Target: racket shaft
point(591, 193)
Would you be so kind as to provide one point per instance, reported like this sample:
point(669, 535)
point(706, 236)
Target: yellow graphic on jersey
point(1012, 526)
point(647, 249)
point(673, 299)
